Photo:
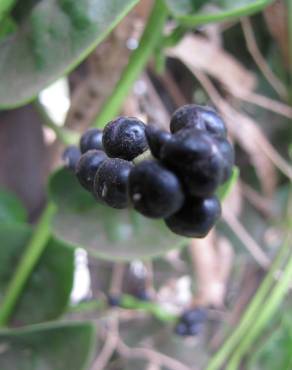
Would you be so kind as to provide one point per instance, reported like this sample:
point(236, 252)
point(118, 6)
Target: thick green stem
point(138, 60)
point(251, 314)
point(31, 256)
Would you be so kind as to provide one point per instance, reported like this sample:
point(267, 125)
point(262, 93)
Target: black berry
point(142, 295)
point(110, 183)
point(191, 322)
point(124, 138)
point(195, 218)
point(197, 117)
point(156, 139)
point(154, 190)
point(227, 153)
point(71, 157)
point(195, 157)
point(87, 166)
point(91, 139)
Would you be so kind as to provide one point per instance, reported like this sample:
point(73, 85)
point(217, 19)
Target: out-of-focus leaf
point(52, 38)
point(11, 209)
point(5, 6)
point(47, 292)
point(105, 232)
point(187, 10)
point(54, 346)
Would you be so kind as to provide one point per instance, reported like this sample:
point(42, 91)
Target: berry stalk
point(31, 256)
point(138, 60)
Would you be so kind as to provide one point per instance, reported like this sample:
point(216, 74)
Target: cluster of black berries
point(191, 322)
point(178, 184)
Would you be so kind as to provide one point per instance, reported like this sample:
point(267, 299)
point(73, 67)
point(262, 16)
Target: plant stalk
point(32, 253)
point(138, 60)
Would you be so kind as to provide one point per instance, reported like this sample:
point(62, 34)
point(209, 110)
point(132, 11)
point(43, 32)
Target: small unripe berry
point(71, 157)
point(110, 183)
point(196, 218)
point(87, 167)
point(197, 117)
point(91, 139)
point(156, 139)
point(154, 190)
point(124, 138)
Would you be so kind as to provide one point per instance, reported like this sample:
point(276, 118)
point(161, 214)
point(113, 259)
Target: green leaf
point(54, 346)
point(47, 291)
point(188, 14)
point(11, 209)
point(5, 6)
point(52, 38)
point(105, 232)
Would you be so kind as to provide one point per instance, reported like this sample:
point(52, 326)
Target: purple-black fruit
point(91, 139)
point(156, 139)
point(71, 157)
point(124, 138)
point(196, 218)
point(87, 167)
point(110, 183)
point(154, 190)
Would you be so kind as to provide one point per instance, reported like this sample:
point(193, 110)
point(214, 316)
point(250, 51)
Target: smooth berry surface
point(71, 157)
point(198, 117)
point(124, 138)
point(195, 218)
point(91, 139)
point(227, 152)
point(155, 191)
point(195, 157)
point(156, 139)
point(110, 183)
point(87, 167)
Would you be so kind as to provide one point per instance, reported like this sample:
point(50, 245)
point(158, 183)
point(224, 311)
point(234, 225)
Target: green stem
point(138, 60)
point(250, 315)
point(32, 253)
point(67, 137)
point(264, 316)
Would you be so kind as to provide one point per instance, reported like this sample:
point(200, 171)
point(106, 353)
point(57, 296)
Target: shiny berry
point(197, 117)
point(195, 157)
point(154, 190)
point(71, 157)
point(194, 315)
point(227, 153)
point(110, 183)
point(87, 167)
point(196, 218)
point(91, 139)
point(124, 138)
point(156, 139)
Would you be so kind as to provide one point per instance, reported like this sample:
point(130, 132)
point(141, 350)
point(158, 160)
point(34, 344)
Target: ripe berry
point(110, 183)
point(71, 157)
point(195, 218)
point(156, 139)
point(124, 138)
point(194, 315)
point(142, 295)
point(91, 139)
point(195, 157)
point(197, 117)
point(181, 329)
point(154, 190)
point(87, 166)
point(227, 153)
